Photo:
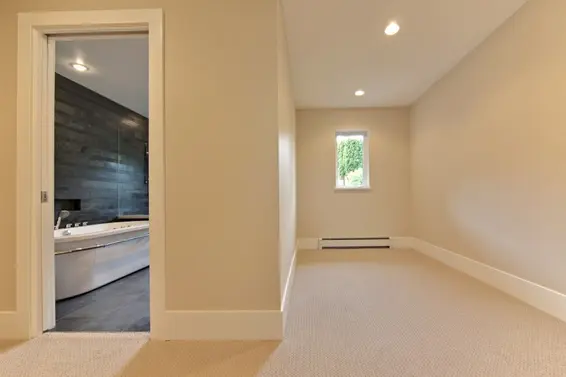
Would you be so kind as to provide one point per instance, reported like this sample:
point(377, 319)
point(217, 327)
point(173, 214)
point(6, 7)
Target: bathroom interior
point(101, 193)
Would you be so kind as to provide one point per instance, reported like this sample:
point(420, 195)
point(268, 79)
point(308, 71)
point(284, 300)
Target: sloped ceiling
point(338, 46)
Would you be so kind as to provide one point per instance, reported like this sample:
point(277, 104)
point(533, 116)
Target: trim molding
point(229, 324)
point(34, 230)
point(401, 242)
point(288, 286)
point(221, 325)
point(538, 296)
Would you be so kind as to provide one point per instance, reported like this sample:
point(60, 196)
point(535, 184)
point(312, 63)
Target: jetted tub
point(91, 256)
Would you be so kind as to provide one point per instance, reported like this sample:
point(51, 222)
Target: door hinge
point(44, 197)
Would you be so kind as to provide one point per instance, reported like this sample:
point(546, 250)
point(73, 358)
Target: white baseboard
point(221, 325)
point(542, 298)
point(307, 244)
point(12, 326)
point(288, 286)
point(401, 242)
point(228, 325)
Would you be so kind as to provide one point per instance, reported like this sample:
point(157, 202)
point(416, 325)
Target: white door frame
point(35, 114)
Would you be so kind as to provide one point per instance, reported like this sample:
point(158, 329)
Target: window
point(352, 160)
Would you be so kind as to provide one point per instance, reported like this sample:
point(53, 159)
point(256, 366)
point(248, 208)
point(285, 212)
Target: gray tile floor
point(120, 306)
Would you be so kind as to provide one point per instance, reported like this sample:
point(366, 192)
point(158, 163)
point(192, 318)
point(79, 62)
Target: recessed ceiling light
point(359, 93)
point(79, 67)
point(392, 29)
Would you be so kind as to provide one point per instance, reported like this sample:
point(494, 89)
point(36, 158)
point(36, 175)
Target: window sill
point(361, 188)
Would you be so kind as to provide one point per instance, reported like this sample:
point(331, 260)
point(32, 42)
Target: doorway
point(100, 186)
point(37, 291)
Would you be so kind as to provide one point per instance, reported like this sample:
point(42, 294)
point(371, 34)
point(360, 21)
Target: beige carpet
point(355, 314)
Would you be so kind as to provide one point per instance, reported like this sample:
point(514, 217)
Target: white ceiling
point(118, 68)
point(338, 46)
point(335, 47)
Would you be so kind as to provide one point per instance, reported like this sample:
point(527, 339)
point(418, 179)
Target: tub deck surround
point(89, 232)
point(94, 255)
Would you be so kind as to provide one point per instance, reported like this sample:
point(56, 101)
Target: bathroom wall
point(100, 156)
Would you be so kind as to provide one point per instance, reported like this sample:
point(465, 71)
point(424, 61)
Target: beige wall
point(325, 212)
point(287, 175)
point(8, 154)
point(221, 131)
point(489, 150)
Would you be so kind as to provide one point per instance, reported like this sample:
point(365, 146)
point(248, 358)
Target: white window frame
point(366, 176)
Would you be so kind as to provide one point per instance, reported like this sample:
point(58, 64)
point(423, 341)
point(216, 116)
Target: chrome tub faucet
point(62, 215)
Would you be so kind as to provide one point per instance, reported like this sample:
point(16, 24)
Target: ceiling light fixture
point(359, 93)
point(79, 67)
point(392, 29)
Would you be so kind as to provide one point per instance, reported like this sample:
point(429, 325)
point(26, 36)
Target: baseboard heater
point(355, 243)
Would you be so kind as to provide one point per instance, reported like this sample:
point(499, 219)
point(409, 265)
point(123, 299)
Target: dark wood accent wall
point(101, 162)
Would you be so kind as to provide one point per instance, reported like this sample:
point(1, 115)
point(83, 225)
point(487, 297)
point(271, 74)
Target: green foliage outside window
point(351, 161)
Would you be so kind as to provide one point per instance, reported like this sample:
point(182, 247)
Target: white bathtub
point(94, 255)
